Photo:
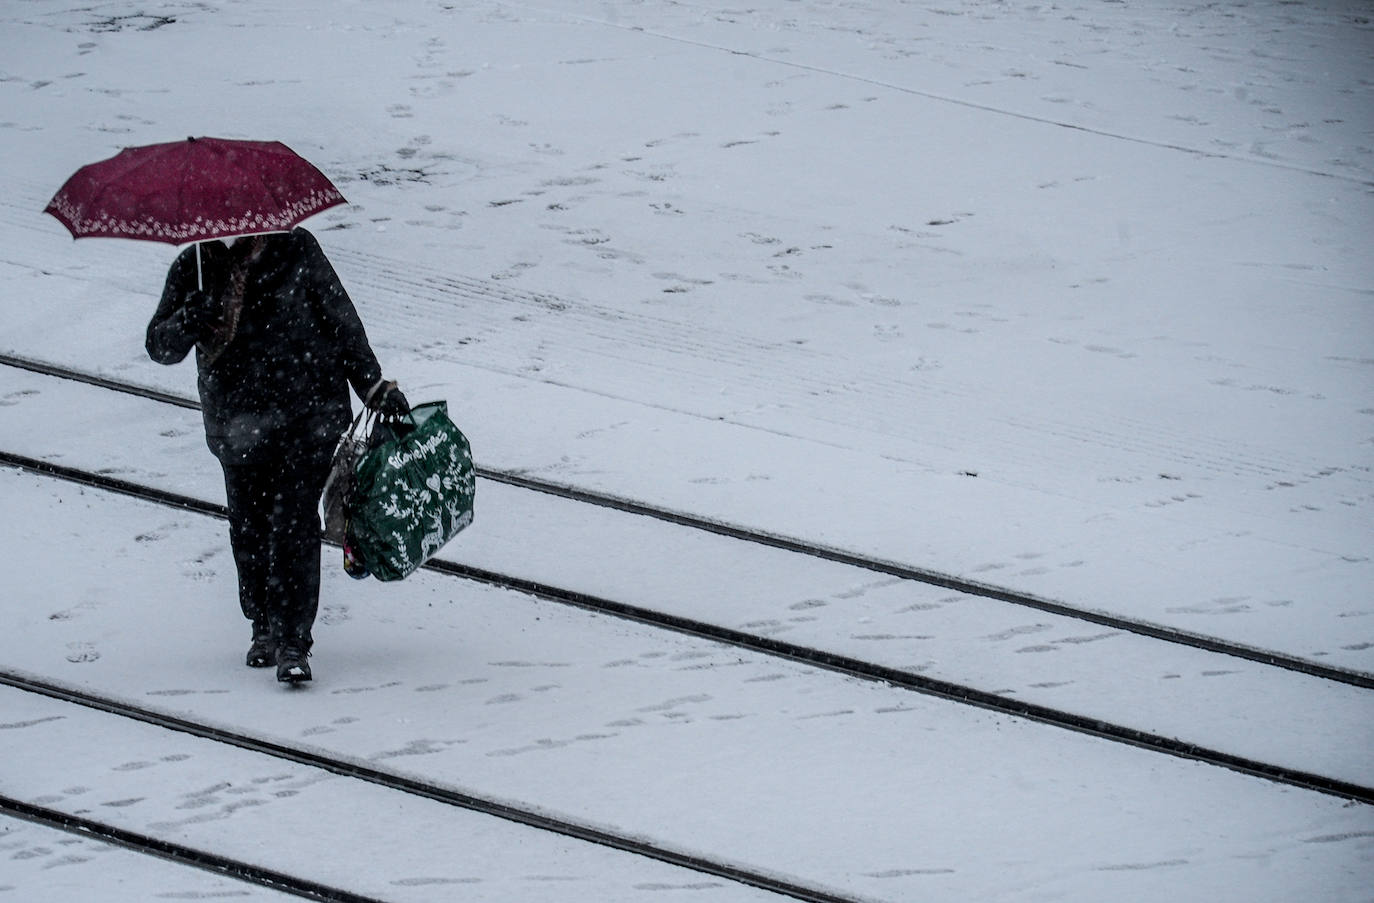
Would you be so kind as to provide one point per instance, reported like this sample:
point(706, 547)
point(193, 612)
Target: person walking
point(278, 344)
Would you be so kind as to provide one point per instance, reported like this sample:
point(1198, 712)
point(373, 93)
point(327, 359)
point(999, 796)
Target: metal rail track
point(163, 849)
point(412, 786)
point(926, 576)
point(817, 658)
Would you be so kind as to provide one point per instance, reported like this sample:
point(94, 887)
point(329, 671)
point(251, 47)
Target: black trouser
point(274, 530)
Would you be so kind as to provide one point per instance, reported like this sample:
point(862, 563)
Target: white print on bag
point(413, 505)
point(423, 450)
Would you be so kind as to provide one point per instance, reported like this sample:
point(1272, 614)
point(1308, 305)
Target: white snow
point(1073, 298)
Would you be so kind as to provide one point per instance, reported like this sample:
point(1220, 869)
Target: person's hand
point(199, 313)
point(393, 403)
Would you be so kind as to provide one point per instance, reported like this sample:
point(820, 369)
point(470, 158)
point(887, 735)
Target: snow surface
point(1073, 298)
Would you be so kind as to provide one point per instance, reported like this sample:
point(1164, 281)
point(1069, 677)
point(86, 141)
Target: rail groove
point(926, 576)
point(818, 658)
point(174, 852)
point(415, 787)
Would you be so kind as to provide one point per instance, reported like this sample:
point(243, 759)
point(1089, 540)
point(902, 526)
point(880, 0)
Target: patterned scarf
point(227, 323)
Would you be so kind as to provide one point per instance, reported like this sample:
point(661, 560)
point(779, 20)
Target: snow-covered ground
point(1073, 298)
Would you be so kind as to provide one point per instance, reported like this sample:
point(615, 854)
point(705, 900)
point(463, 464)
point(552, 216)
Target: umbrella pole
point(200, 282)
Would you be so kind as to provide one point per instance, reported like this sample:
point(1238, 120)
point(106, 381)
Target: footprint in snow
point(82, 652)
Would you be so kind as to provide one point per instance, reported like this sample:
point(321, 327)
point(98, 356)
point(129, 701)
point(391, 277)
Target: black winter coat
point(281, 384)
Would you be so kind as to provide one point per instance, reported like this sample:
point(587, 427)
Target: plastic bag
point(411, 493)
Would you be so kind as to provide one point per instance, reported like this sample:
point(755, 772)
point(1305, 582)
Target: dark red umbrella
point(193, 190)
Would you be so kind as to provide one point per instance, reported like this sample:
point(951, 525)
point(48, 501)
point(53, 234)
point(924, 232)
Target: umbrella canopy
point(193, 190)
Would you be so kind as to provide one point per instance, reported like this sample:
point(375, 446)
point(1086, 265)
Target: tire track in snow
point(810, 384)
point(461, 313)
point(973, 105)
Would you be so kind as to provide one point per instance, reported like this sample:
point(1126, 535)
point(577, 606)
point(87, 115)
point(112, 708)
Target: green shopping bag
point(412, 493)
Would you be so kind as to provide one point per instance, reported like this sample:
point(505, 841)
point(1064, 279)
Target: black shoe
point(263, 652)
point(292, 666)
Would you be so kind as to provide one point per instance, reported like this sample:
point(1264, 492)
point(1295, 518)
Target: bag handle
point(366, 414)
point(368, 411)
